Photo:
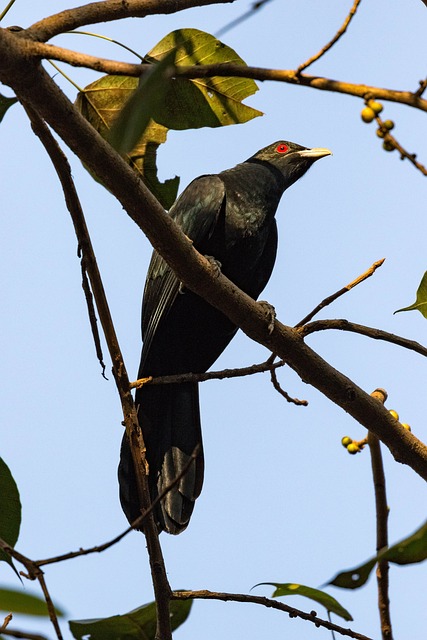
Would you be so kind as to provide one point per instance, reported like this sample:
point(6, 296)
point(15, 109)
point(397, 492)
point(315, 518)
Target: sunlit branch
point(336, 37)
point(327, 301)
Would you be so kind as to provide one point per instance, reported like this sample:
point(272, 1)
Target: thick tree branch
point(33, 85)
point(108, 11)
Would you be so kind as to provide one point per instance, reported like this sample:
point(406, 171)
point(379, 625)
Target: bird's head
point(292, 160)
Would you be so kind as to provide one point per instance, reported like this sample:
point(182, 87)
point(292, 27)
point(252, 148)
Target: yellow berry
point(353, 448)
point(376, 107)
point(388, 124)
point(406, 426)
point(367, 114)
point(380, 133)
point(346, 441)
point(388, 146)
point(394, 414)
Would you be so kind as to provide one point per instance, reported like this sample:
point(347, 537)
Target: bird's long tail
point(170, 420)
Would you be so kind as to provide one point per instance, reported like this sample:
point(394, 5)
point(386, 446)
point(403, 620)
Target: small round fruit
point(380, 133)
point(353, 448)
point(394, 414)
point(388, 124)
point(406, 426)
point(388, 146)
point(376, 107)
point(346, 441)
point(367, 114)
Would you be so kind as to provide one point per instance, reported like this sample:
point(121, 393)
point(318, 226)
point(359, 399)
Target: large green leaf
point(421, 302)
point(155, 105)
point(144, 102)
point(101, 103)
point(202, 102)
point(5, 103)
point(10, 510)
point(17, 601)
point(411, 550)
point(139, 624)
point(323, 598)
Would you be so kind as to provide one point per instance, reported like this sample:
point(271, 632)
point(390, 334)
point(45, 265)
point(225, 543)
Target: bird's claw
point(270, 314)
point(215, 264)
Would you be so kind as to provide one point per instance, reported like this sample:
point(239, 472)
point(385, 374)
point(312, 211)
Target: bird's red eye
point(282, 148)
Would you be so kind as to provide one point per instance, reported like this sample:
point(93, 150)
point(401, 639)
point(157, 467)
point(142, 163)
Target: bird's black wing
point(196, 211)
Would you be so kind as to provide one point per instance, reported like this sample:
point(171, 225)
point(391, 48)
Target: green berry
point(388, 146)
point(367, 114)
point(353, 448)
point(388, 124)
point(376, 107)
point(406, 426)
point(394, 414)
point(346, 441)
point(380, 133)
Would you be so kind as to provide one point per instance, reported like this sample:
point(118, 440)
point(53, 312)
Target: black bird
point(229, 216)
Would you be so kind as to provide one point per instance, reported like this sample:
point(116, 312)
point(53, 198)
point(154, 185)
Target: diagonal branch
point(327, 301)
point(104, 65)
point(108, 11)
point(32, 84)
point(133, 429)
point(341, 31)
point(269, 603)
point(370, 332)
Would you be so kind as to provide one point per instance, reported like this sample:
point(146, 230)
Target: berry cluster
point(371, 112)
point(354, 446)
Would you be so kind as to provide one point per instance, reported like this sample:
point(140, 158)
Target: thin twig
point(391, 140)
point(26, 635)
point(327, 301)
point(137, 523)
point(133, 429)
point(210, 375)
point(370, 332)
point(34, 573)
point(285, 394)
point(269, 603)
point(6, 622)
point(382, 512)
point(248, 14)
point(336, 37)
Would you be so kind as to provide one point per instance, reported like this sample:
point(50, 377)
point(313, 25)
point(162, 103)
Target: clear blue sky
point(282, 500)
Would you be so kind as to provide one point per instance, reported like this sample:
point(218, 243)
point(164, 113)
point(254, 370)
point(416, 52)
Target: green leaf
point(16, 601)
point(100, 103)
point(5, 103)
point(136, 625)
point(154, 105)
point(202, 102)
point(421, 302)
point(10, 510)
point(411, 550)
point(137, 112)
point(323, 598)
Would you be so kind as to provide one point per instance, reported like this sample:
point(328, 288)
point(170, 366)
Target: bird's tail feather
point(170, 419)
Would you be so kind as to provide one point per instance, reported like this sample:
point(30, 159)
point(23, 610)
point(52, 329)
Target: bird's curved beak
point(317, 152)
